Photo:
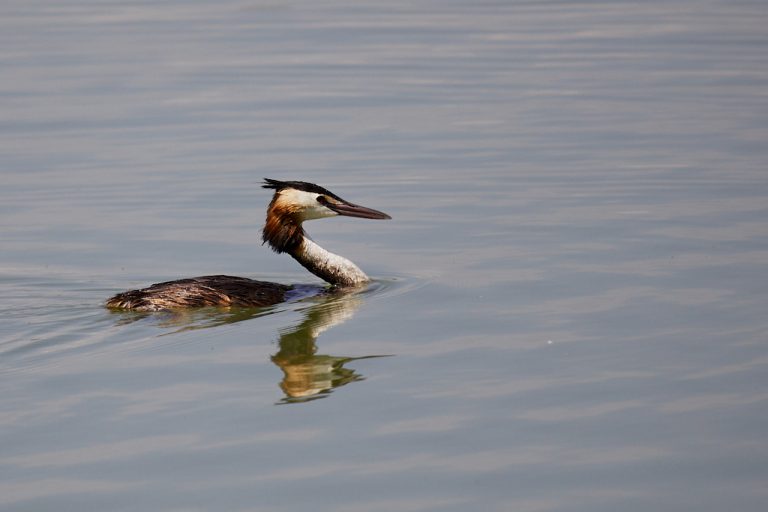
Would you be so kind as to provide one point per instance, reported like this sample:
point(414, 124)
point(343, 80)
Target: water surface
point(568, 309)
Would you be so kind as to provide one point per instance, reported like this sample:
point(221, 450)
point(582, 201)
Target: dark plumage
point(298, 185)
point(201, 291)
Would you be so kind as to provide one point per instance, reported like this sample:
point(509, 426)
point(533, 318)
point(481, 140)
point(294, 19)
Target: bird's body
point(293, 203)
point(201, 291)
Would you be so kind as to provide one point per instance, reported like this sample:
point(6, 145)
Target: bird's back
point(201, 291)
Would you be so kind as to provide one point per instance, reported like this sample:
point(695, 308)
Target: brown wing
point(201, 291)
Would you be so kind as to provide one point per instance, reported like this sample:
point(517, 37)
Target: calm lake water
point(571, 298)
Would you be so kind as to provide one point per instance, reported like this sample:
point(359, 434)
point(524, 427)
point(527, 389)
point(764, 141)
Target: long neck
point(328, 266)
point(284, 233)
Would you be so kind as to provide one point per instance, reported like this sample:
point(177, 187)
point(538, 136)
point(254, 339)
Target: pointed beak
point(354, 210)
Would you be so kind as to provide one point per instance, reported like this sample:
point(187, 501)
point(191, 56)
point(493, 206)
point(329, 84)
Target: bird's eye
point(322, 200)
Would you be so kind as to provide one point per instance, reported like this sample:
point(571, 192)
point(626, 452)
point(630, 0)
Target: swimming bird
point(293, 203)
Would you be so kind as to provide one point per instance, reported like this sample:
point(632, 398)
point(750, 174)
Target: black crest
point(298, 185)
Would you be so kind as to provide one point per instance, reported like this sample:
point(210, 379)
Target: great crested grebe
point(292, 204)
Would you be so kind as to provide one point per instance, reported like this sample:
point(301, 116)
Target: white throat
point(328, 266)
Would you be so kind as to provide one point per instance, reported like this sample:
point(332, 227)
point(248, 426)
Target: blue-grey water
point(572, 296)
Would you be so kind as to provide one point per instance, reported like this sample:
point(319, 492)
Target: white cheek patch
point(305, 203)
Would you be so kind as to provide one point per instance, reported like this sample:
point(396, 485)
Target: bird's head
point(297, 201)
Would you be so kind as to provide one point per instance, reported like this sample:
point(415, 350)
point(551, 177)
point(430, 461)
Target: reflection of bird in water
point(293, 203)
point(307, 375)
